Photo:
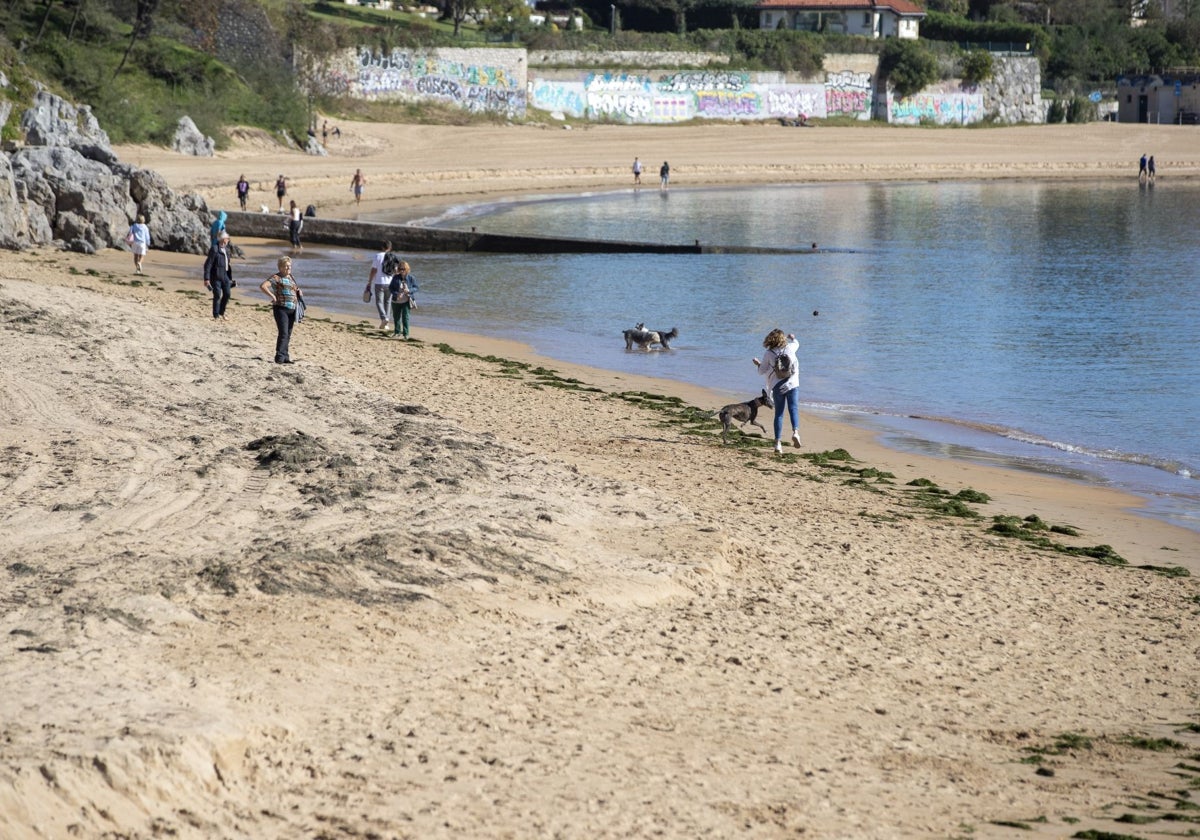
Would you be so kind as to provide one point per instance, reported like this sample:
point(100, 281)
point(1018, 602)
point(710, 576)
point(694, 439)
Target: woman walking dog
point(783, 381)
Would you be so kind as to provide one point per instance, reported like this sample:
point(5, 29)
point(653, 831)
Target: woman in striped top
point(281, 288)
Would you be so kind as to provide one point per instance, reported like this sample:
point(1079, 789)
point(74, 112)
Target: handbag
point(129, 238)
point(366, 295)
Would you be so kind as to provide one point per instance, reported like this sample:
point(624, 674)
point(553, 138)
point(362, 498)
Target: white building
point(873, 18)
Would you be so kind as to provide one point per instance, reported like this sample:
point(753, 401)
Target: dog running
point(743, 413)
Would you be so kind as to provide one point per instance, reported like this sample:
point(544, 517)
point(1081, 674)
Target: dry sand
point(392, 591)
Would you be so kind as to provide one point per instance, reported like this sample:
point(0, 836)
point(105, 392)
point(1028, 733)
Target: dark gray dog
point(743, 413)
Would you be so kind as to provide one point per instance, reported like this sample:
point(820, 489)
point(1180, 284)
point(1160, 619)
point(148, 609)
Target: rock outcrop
point(189, 141)
point(65, 187)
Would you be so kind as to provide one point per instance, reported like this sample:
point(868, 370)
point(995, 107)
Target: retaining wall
point(499, 81)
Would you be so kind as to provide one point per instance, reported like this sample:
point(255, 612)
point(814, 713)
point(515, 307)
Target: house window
point(766, 20)
point(867, 19)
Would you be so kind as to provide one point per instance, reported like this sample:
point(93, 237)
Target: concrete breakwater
point(368, 235)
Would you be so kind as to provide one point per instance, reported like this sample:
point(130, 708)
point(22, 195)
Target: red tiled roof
point(903, 7)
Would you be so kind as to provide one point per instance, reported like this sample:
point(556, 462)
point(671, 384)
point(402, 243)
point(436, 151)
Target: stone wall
point(492, 80)
point(1014, 93)
point(499, 80)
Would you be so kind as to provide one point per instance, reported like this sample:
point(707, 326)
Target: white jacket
point(767, 366)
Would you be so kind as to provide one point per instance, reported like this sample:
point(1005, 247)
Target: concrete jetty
point(352, 233)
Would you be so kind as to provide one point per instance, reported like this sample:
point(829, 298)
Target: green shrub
point(908, 66)
point(1080, 110)
point(977, 66)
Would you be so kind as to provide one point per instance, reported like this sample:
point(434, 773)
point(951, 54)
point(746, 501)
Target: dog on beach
point(743, 413)
point(644, 338)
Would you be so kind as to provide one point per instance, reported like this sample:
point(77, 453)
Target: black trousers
point(285, 319)
point(220, 290)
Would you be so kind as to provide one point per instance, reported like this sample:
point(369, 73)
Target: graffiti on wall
point(848, 94)
point(634, 98)
point(407, 74)
point(939, 108)
point(568, 98)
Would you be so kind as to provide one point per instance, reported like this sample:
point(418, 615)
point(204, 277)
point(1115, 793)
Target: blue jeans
point(792, 398)
point(220, 292)
point(382, 296)
point(285, 319)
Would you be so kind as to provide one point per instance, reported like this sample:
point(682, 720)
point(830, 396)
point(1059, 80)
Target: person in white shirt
point(783, 381)
point(377, 284)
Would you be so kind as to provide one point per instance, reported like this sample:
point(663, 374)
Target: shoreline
point(452, 172)
point(1136, 535)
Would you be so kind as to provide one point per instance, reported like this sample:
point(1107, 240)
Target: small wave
point(1168, 465)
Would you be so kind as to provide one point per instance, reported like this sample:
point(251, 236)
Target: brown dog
point(743, 413)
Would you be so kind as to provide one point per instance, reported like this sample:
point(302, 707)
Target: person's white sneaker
point(796, 438)
point(778, 448)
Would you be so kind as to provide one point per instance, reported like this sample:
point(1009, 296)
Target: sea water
point(1050, 327)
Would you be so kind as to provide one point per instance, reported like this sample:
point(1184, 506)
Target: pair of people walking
point(391, 285)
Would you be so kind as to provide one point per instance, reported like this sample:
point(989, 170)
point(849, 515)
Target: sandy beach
point(443, 588)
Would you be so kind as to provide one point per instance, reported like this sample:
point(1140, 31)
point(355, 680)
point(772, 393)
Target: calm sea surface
point(1047, 327)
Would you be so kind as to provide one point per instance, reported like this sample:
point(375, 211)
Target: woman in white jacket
point(783, 380)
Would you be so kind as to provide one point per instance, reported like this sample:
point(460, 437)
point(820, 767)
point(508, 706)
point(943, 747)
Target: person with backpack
point(383, 267)
point(782, 370)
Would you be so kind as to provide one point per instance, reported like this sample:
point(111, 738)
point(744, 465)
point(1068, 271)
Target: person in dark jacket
point(218, 274)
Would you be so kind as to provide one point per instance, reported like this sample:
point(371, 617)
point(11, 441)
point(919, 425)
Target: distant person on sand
point(139, 242)
point(356, 185)
point(1150, 171)
point(637, 172)
point(243, 191)
point(1142, 168)
point(400, 290)
point(295, 222)
point(378, 281)
point(280, 190)
point(281, 288)
point(783, 380)
point(218, 274)
point(664, 176)
point(324, 132)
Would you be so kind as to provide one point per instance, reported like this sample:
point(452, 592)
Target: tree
point(907, 65)
point(977, 66)
point(143, 23)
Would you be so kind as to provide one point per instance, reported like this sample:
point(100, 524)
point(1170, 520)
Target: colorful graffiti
point(569, 98)
point(407, 74)
point(704, 82)
point(939, 108)
point(848, 94)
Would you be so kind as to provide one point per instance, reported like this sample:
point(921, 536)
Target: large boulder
point(177, 221)
point(189, 141)
point(67, 188)
point(52, 121)
point(14, 227)
point(87, 204)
